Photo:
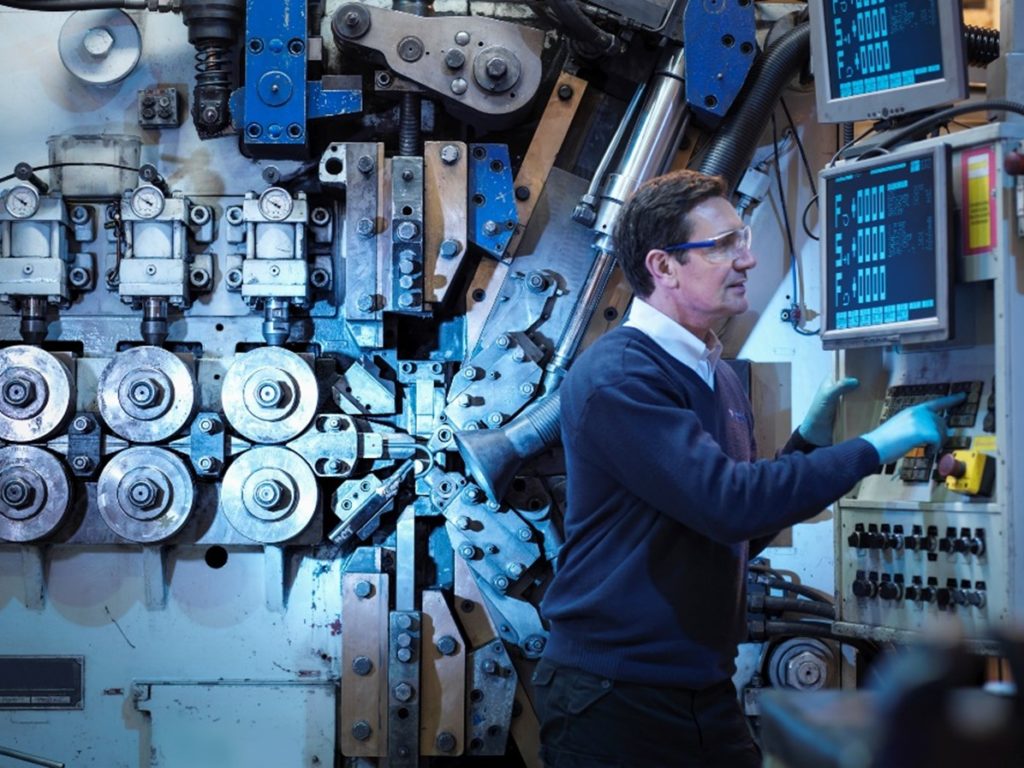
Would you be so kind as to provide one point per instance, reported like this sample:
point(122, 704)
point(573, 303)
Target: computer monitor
point(885, 249)
point(882, 58)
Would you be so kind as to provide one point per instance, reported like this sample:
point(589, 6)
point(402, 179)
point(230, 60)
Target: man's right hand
point(918, 425)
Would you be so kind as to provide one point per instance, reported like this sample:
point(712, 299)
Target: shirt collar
point(701, 356)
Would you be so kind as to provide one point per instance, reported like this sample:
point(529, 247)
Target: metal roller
point(35, 493)
point(145, 494)
point(146, 394)
point(269, 494)
point(270, 395)
point(37, 393)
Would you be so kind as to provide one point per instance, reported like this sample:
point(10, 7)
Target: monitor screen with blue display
point(881, 58)
point(885, 249)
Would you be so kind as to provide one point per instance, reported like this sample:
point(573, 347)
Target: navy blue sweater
point(663, 499)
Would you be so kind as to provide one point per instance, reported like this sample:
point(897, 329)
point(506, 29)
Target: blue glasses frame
point(728, 244)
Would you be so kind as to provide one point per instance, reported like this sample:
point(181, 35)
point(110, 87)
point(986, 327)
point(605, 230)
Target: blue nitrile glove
point(816, 427)
point(917, 425)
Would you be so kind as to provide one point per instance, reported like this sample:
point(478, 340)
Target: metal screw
point(407, 230)
point(403, 692)
point(503, 341)
point(465, 400)
point(490, 228)
point(471, 372)
point(522, 193)
point(445, 742)
point(515, 570)
point(81, 463)
point(363, 589)
point(446, 645)
point(404, 655)
point(206, 426)
point(459, 86)
point(366, 303)
point(145, 393)
point(467, 551)
point(365, 164)
point(495, 418)
point(526, 389)
point(536, 281)
point(500, 583)
point(79, 214)
point(449, 152)
point(472, 495)
point(407, 300)
point(408, 175)
point(490, 667)
point(462, 522)
point(98, 42)
point(565, 92)
point(270, 494)
point(449, 249)
point(144, 493)
point(524, 534)
point(81, 424)
point(455, 59)
point(410, 49)
point(462, 38)
point(270, 394)
point(361, 730)
point(362, 665)
point(365, 227)
point(206, 463)
point(497, 68)
point(535, 644)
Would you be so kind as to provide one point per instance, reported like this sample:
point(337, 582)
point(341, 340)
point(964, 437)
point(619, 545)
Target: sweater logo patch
point(735, 415)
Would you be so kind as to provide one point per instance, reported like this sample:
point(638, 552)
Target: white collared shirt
point(699, 356)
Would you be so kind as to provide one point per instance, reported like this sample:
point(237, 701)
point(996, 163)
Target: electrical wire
point(803, 590)
point(803, 219)
point(794, 319)
point(10, 176)
point(807, 167)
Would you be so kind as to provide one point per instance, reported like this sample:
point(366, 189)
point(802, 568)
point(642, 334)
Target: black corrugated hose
point(581, 29)
point(982, 45)
point(733, 146)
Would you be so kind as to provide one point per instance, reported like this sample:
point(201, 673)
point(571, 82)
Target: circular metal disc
point(145, 494)
point(35, 493)
point(146, 394)
point(269, 494)
point(269, 395)
point(37, 393)
point(100, 47)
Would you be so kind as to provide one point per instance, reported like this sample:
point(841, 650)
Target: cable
point(791, 586)
point(810, 607)
point(807, 167)
point(10, 176)
point(803, 219)
point(794, 317)
point(930, 121)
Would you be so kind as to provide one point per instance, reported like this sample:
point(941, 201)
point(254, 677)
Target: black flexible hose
point(733, 146)
point(796, 589)
point(582, 29)
point(982, 45)
point(810, 607)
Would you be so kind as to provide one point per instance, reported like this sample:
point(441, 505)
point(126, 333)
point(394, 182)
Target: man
point(666, 503)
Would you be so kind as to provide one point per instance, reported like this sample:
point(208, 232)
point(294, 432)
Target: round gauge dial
point(147, 202)
point(22, 201)
point(276, 204)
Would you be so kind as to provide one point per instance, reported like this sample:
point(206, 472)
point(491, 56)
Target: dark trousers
point(587, 721)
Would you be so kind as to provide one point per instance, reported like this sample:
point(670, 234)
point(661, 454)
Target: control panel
point(931, 538)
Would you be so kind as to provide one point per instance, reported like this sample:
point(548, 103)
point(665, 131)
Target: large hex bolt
point(144, 493)
point(361, 730)
point(446, 645)
point(98, 42)
point(450, 153)
point(272, 394)
point(449, 249)
point(271, 495)
point(17, 493)
point(805, 671)
point(362, 665)
point(145, 393)
point(19, 391)
point(497, 68)
point(407, 230)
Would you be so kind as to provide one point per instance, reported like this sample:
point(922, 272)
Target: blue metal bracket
point(492, 204)
point(719, 47)
point(277, 100)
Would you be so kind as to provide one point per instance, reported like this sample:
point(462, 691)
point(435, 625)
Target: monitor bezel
point(951, 87)
point(919, 331)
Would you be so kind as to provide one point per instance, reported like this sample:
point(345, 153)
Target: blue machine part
point(492, 211)
point(719, 47)
point(273, 107)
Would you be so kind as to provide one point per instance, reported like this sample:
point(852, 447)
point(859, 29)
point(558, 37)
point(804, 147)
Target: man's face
point(712, 283)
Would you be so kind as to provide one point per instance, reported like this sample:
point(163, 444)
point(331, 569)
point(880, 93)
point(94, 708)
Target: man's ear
point(659, 264)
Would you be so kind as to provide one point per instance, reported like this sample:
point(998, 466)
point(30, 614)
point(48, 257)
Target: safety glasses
point(727, 246)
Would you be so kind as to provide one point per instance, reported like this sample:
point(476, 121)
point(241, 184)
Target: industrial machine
point(287, 290)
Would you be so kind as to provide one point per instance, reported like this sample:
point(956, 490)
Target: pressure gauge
point(22, 201)
point(276, 204)
point(147, 201)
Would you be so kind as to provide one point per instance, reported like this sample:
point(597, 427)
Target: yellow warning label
point(985, 443)
point(980, 227)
